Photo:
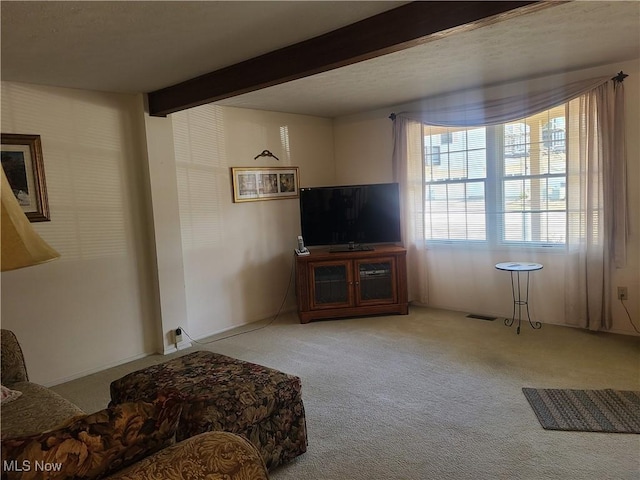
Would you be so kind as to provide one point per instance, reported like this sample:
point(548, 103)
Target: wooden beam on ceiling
point(403, 27)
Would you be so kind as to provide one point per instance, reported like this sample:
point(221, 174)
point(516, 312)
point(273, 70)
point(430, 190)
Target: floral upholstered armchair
point(46, 437)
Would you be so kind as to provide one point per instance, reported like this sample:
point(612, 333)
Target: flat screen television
point(353, 216)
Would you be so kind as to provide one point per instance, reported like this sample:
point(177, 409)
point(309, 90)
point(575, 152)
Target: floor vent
point(481, 317)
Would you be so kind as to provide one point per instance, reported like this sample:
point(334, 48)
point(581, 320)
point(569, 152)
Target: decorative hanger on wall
point(265, 153)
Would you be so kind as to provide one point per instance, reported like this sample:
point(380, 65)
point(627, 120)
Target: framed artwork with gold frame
point(251, 184)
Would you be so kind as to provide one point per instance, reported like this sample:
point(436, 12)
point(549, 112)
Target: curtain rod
point(618, 78)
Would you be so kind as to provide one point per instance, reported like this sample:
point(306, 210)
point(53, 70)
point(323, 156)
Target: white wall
point(95, 306)
point(466, 280)
point(238, 256)
point(167, 240)
point(149, 236)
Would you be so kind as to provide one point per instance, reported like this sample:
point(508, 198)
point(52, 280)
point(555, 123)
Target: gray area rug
point(613, 411)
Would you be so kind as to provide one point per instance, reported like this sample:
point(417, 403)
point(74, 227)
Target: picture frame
point(22, 162)
point(252, 184)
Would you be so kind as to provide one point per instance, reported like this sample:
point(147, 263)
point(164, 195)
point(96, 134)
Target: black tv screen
point(359, 214)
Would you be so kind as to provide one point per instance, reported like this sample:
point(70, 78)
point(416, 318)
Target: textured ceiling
point(564, 38)
point(144, 46)
point(141, 46)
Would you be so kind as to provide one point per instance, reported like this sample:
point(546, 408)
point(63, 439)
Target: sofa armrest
point(208, 455)
point(12, 360)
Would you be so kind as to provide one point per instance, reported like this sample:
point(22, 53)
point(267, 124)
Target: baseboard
point(615, 331)
point(499, 316)
point(172, 348)
point(91, 371)
point(168, 349)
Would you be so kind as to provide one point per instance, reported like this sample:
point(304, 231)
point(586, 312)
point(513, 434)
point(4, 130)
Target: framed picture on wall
point(251, 184)
point(22, 164)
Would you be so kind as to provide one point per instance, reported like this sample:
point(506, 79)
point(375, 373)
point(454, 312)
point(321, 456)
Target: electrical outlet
point(178, 334)
point(622, 293)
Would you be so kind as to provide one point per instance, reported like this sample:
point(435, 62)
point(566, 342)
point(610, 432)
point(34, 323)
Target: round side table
point(515, 269)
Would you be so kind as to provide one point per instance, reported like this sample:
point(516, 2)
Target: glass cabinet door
point(375, 281)
point(331, 284)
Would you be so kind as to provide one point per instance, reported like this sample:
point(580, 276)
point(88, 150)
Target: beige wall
point(363, 149)
point(94, 307)
point(149, 237)
point(238, 256)
point(465, 279)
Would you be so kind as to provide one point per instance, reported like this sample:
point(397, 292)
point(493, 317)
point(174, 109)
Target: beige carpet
point(432, 395)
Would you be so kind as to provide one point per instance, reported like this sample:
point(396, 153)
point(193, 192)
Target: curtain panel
point(498, 111)
point(597, 206)
point(597, 224)
point(408, 172)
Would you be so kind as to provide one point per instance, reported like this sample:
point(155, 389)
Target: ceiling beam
point(403, 27)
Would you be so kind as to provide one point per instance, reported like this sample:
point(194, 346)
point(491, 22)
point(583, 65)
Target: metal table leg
point(519, 302)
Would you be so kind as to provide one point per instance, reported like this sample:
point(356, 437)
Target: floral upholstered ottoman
point(223, 393)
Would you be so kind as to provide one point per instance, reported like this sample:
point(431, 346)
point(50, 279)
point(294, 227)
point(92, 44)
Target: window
point(503, 184)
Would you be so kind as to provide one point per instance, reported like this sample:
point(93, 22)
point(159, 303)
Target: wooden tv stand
point(353, 283)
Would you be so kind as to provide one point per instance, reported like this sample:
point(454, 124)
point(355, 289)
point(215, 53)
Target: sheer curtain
point(409, 173)
point(596, 189)
point(597, 201)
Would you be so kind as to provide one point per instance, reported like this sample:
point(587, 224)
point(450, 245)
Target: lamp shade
point(20, 245)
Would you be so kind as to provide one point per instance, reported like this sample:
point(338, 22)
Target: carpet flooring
point(611, 411)
point(429, 395)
